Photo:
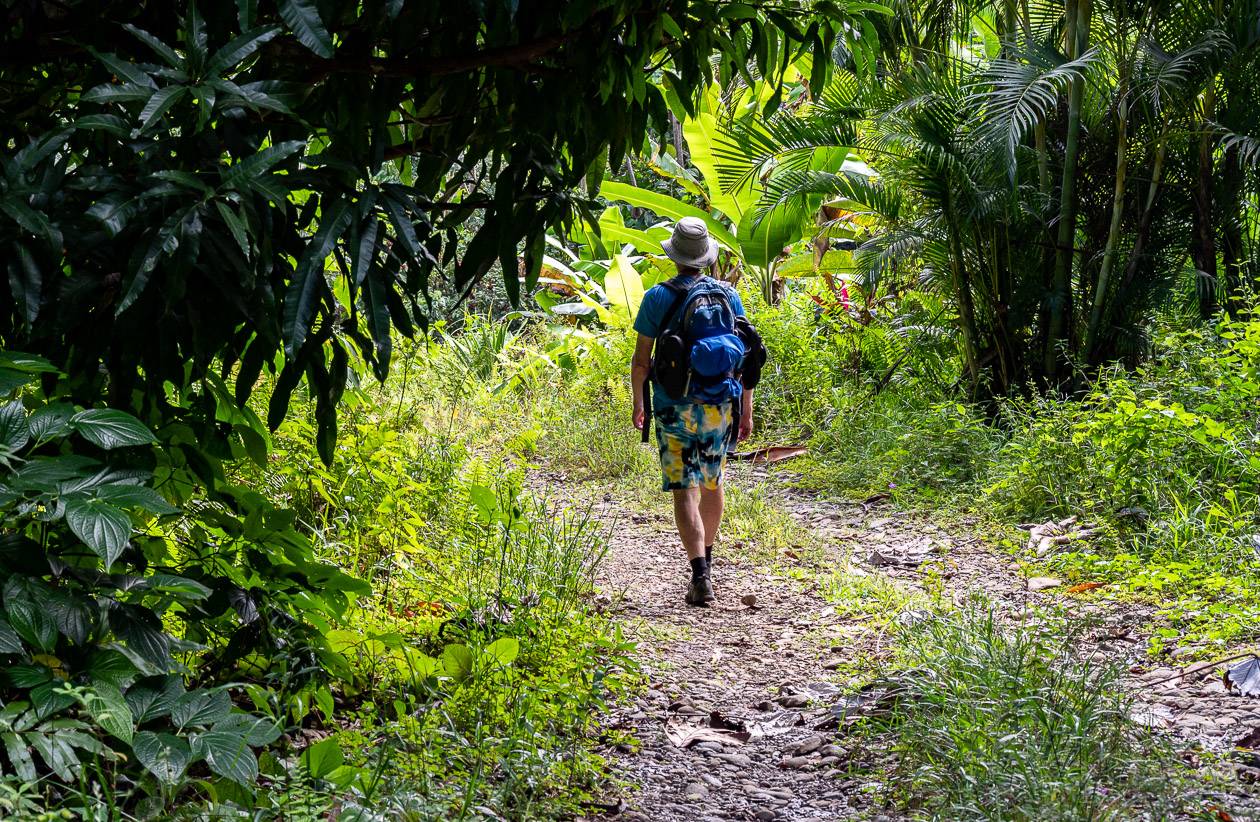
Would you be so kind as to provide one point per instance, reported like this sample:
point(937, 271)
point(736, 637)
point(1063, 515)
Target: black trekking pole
point(647, 406)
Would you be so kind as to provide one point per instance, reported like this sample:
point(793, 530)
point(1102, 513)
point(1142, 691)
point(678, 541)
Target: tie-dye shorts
point(693, 439)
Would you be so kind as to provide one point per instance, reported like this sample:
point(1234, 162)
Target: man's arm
point(640, 367)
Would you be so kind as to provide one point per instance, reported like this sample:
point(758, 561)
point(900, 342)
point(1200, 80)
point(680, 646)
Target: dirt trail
point(768, 668)
point(763, 668)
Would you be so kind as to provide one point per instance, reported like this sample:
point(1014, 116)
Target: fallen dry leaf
point(771, 453)
point(1085, 586)
point(684, 734)
point(1244, 678)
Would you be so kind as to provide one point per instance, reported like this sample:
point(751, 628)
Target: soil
point(770, 659)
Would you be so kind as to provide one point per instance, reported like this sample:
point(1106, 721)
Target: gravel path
point(736, 722)
point(760, 661)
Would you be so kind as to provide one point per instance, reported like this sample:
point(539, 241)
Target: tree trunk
point(1203, 249)
point(1148, 214)
point(1059, 333)
point(962, 285)
point(1117, 215)
point(680, 145)
point(1231, 232)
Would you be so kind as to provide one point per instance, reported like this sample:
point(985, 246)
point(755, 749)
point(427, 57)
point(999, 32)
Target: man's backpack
point(704, 353)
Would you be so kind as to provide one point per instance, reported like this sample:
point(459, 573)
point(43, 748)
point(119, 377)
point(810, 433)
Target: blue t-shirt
point(656, 303)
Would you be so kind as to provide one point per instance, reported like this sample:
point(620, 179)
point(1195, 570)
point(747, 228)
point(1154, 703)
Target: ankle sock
point(699, 568)
point(708, 553)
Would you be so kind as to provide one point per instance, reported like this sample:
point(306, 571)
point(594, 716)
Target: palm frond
point(1016, 94)
point(1162, 77)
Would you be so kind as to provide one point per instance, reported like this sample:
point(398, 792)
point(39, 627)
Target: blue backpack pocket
point(717, 355)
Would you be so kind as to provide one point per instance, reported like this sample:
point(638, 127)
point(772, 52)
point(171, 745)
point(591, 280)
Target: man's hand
point(745, 426)
point(637, 416)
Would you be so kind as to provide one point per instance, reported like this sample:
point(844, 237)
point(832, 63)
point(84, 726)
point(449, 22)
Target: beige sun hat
point(691, 245)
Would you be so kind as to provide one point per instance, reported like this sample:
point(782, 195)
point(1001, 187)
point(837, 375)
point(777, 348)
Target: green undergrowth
point(994, 722)
point(1160, 461)
point(469, 683)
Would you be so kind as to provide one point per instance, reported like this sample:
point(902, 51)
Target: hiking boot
point(700, 591)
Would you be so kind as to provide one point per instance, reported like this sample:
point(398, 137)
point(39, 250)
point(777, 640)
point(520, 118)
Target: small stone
point(695, 792)
point(749, 599)
point(737, 759)
point(709, 747)
point(794, 701)
point(796, 762)
point(808, 746)
point(765, 705)
point(1042, 583)
point(765, 815)
point(711, 780)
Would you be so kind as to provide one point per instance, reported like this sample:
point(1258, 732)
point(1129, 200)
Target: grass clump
point(995, 722)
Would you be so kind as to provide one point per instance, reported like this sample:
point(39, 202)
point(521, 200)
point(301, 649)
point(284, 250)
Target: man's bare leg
point(691, 531)
point(691, 527)
point(711, 503)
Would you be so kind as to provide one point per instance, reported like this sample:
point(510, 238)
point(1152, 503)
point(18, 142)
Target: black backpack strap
point(680, 296)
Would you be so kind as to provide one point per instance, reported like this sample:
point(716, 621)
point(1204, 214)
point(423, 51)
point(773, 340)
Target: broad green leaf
point(256, 730)
point(228, 755)
point(613, 228)
point(200, 708)
point(72, 613)
point(10, 643)
point(19, 756)
point(182, 587)
point(15, 433)
point(666, 206)
point(302, 16)
point(56, 753)
point(110, 428)
point(458, 661)
point(504, 650)
point(247, 172)
point(166, 756)
point(762, 242)
point(702, 135)
point(50, 698)
point(108, 665)
point(102, 527)
point(28, 614)
point(623, 287)
point(239, 48)
point(51, 421)
point(159, 104)
point(322, 758)
point(135, 496)
point(153, 699)
point(109, 709)
point(11, 380)
point(161, 49)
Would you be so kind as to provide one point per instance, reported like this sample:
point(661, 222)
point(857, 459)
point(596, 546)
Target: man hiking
point(693, 389)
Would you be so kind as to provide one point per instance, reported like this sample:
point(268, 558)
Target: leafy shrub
point(472, 677)
point(112, 595)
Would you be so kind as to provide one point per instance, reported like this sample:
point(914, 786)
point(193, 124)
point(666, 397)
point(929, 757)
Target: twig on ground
point(1204, 667)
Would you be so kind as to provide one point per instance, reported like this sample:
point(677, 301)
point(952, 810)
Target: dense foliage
point(178, 178)
point(218, 222)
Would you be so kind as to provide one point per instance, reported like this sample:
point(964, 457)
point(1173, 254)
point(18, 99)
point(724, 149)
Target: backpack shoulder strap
point(681, 293)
